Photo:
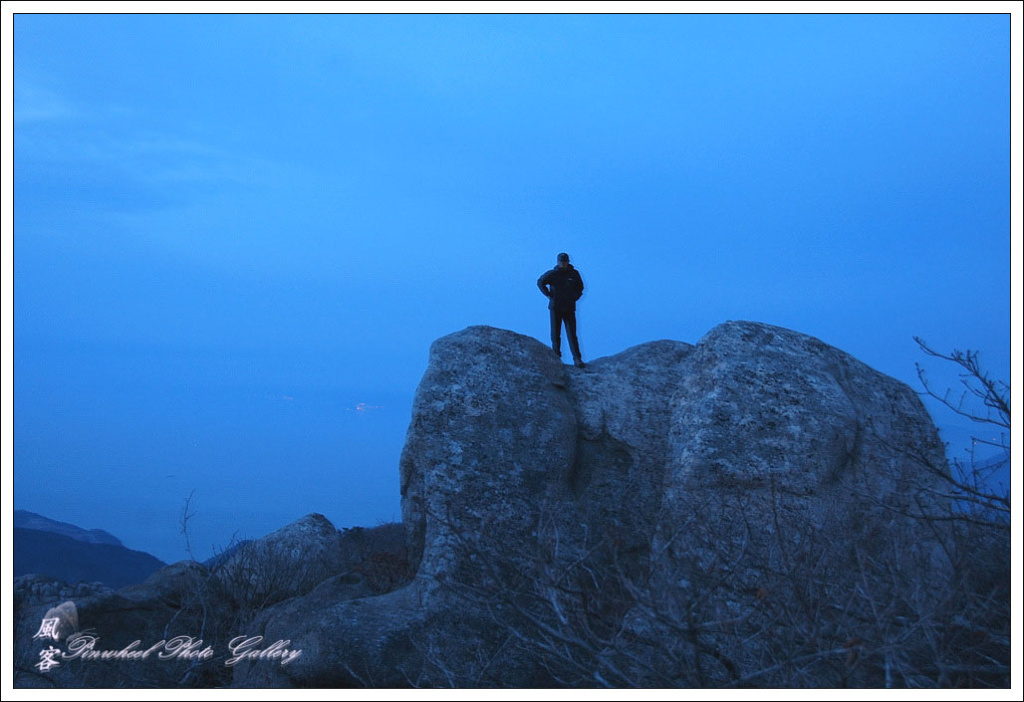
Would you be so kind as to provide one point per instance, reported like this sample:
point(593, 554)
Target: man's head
point(563, 260)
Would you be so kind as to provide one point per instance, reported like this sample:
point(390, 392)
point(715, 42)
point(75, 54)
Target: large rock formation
point(675, 514)
point(546, 504)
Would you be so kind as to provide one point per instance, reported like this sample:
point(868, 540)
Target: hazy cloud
point(34, 102)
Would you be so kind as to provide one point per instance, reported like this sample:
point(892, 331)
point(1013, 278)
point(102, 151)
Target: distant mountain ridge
point(24, 519)
point(74, 555)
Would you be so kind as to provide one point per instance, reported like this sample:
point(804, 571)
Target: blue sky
point(234, 237)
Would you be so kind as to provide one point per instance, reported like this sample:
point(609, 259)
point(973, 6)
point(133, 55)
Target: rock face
point(638, 476)
point(761, 410)
point(493, 429)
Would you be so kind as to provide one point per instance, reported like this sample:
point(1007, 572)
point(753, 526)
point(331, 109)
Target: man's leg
point(570, 333)
point(556, 332)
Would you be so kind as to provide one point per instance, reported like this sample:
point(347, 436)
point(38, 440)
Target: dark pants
point(569, 318)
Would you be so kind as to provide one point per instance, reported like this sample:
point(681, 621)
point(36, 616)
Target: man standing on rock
point(563, 286)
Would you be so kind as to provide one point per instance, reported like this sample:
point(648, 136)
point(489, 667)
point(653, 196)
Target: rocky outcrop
point(289, 562)
point(34, 589)
point(654, 465)
point(672, 515)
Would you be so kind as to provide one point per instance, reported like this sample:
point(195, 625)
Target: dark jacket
point(562, 287)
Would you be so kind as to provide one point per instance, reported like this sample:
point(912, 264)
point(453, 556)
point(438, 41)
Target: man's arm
point(579, 293)
point(542, 283)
